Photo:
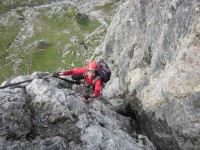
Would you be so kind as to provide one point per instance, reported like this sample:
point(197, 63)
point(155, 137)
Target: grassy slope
point(7, 35)
point(50, 57)
point(51, 29)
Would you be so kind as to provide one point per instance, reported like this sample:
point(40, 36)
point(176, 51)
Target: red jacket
point(97, 84)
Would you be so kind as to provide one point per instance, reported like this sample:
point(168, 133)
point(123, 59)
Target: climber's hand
point(85, 98)
point(56, 74)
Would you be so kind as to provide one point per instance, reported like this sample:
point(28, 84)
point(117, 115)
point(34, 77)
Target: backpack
point(103, 72)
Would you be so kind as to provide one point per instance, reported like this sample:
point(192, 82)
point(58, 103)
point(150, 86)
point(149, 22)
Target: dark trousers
point(77, 77)
point(87, 88)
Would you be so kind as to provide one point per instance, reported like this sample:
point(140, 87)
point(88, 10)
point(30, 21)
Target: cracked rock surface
point(42, 114)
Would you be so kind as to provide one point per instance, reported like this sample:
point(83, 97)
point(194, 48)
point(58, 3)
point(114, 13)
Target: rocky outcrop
point(47, 114)
point(86, 5)
point(153, 50)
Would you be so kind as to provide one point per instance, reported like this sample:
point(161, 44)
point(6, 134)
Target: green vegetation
point(50, 36)
point(7, 35)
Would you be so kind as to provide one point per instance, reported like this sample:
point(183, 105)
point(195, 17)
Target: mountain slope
point(51, 36)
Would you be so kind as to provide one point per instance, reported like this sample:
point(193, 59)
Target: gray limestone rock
point(152, 48)
point(15, 117)
point(44, 115)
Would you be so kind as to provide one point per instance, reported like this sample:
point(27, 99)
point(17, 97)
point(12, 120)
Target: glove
point(85, 98)
point(56, 74)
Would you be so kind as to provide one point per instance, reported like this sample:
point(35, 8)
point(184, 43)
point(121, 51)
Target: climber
point(89, 73)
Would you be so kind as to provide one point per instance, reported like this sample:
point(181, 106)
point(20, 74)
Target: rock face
point(47, 114)
point(153, 50)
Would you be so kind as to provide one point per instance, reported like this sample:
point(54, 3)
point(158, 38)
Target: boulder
point(45, 115)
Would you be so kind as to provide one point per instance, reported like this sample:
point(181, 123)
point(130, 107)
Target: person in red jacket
point(89, 73)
